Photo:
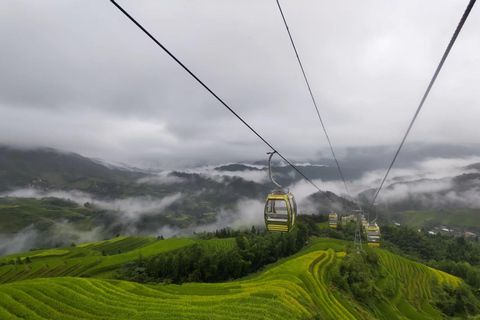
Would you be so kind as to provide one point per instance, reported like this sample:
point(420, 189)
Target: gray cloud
point(79, 76)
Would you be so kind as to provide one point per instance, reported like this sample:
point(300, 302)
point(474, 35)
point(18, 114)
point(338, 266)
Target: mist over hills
point(110, 199)
point(363, 159)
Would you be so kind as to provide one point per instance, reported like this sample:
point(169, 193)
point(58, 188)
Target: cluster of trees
point(357, 274)
point(464, 270)
point(17, 261)
point(199, 263)
point(455, 301)
point(229, 233)
point(437, 247)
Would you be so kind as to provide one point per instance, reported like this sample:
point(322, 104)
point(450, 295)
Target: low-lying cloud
point(258, 176)
point(129, 208)
point(427, 184)
point(19, 242)
point(162, 178)
point(245, 214)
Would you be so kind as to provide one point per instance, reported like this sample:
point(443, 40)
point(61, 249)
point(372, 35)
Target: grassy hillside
point(297, 287)
point(455, 218)
point(87, 260)
point(17, 213)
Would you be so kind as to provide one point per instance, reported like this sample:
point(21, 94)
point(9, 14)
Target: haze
point(79, 76)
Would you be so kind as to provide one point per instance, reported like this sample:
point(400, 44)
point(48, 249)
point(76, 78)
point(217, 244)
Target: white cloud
point(129, 208)
point(19, 242)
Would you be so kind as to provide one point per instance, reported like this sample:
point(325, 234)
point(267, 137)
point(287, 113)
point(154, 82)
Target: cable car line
point(220, 100)
point(432, 81)
point(313, 99)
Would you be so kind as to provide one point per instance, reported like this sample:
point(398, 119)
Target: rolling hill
point(468, 218)
point(98, 259)
point(297, 287)
point(50, 168)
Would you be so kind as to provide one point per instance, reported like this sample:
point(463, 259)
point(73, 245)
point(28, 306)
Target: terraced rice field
point(87, 260)
point(413, 282)
point(274, 294)
point(120, 244)
point(51, 253)
point(297, 287)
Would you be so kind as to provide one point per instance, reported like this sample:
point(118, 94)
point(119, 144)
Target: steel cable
point(432, 81)
point(220, 100)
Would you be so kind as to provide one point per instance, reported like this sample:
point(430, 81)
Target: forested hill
point(286, 175)
point(49, 168)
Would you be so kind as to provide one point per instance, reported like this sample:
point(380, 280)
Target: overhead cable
point(445, 55)
point(313, 99)
point(220, 100)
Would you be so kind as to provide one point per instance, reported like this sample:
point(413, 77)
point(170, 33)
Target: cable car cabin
point(280, 212)
point(373, 235)
point(344, 220)
point(333, 220)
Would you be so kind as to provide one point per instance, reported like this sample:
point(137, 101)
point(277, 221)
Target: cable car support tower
point(357, 245)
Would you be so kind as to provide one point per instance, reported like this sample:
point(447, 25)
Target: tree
point(242, 242)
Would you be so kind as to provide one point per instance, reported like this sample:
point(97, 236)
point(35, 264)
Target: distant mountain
point(50, 168)
point(473, 166)
point(286, 175)
point(237, 167)
point(355, 161)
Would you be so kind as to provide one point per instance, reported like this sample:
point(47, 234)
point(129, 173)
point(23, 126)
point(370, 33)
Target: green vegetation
point(457, 256)
point(323, 280)
point(433, 218)
point(90, 260)
point(51, 253)
point(119, 244)
point(296, 287)
point(18, 213)
point(200, 263)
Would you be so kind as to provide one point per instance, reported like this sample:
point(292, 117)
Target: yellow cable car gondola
point(333, 220)
point(373, 232)
point(373, 235)
point(344, 220)
point(280, 208)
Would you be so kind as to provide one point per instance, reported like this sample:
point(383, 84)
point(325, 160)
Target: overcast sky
point(79, 76)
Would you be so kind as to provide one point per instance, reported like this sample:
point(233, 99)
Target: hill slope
point(87, 260)
point(468, 218)
point(52, 168)
point(297, 287)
